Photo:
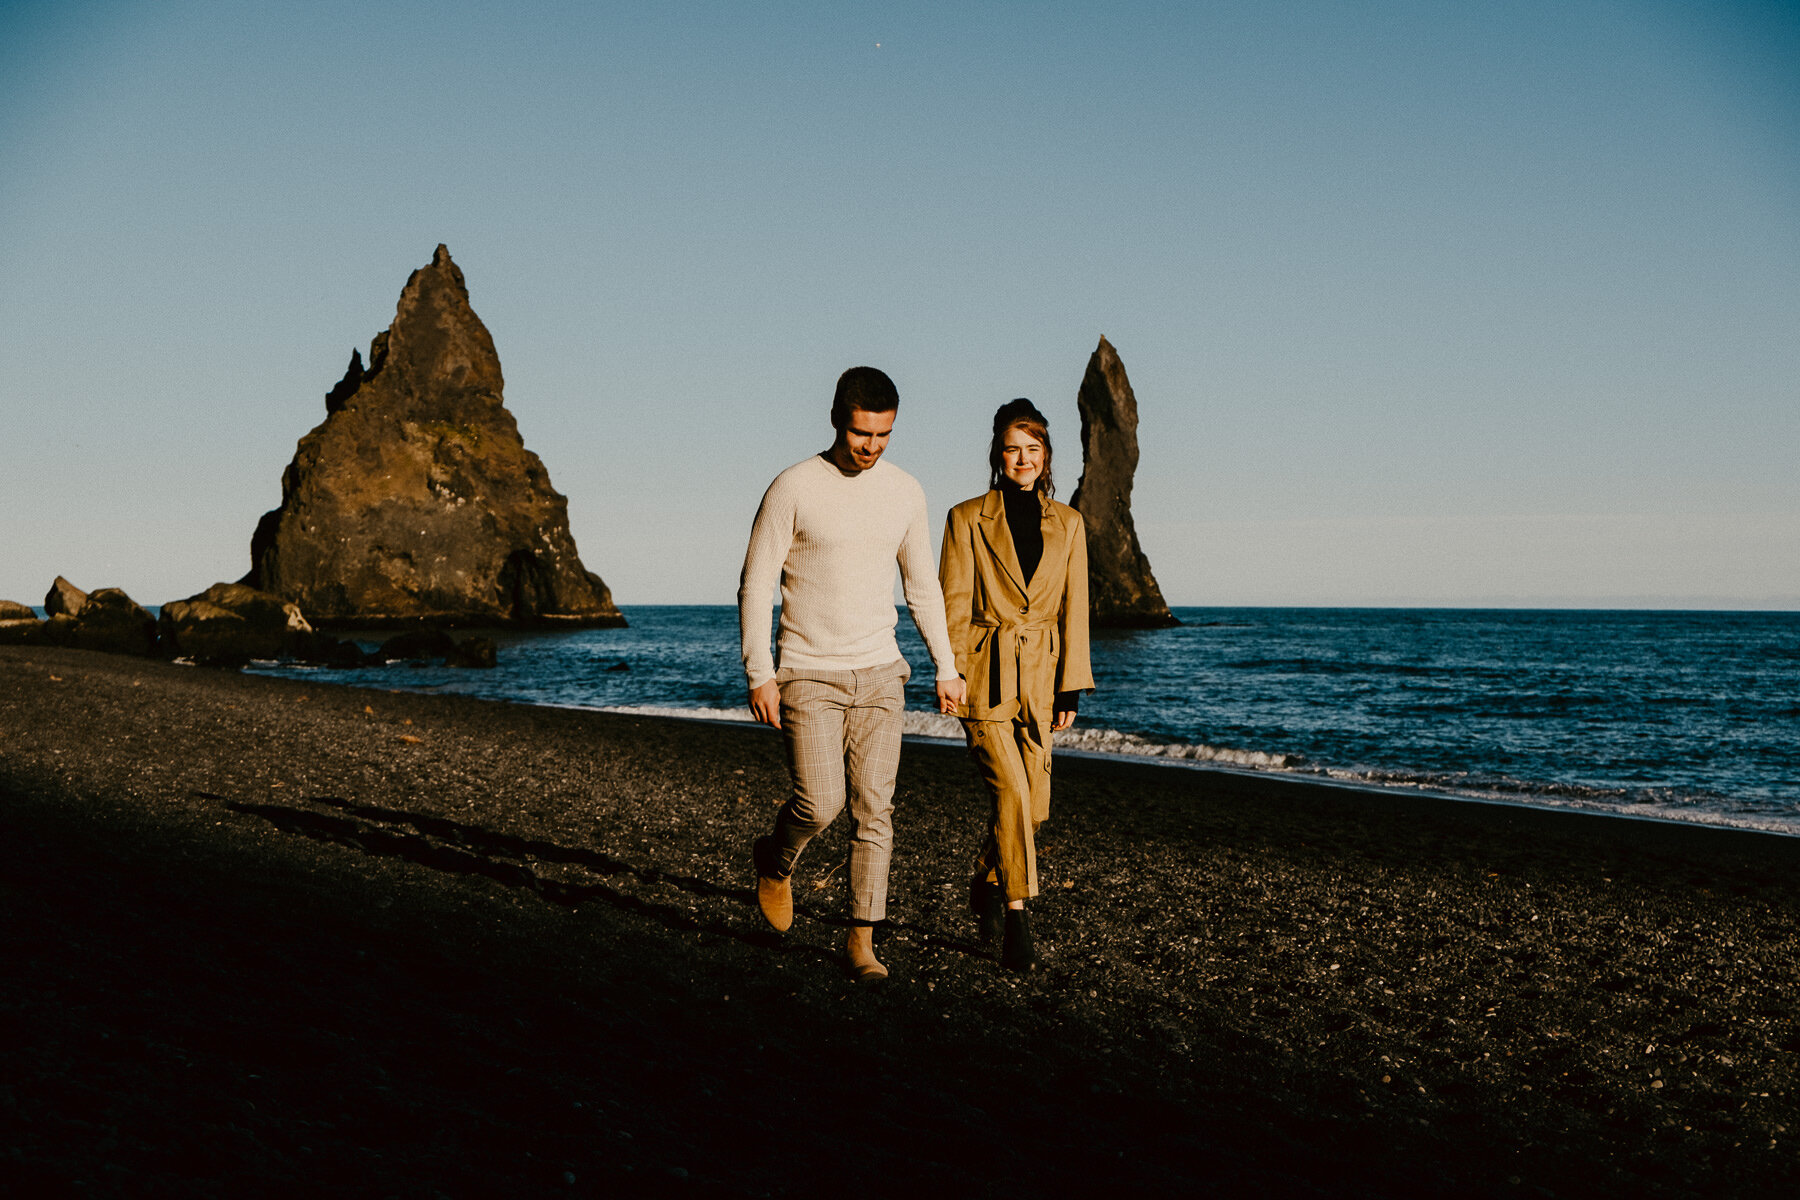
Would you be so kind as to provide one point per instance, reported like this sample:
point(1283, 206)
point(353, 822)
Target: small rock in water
point(477, 653)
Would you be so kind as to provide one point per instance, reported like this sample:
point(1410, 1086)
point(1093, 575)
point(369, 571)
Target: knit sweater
point(832, 541)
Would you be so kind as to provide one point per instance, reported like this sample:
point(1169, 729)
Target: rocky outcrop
point(64, 598)
point(1122, 592)
point(108, 621)
point(19, 626)
point(416, 500)
point(231, 624)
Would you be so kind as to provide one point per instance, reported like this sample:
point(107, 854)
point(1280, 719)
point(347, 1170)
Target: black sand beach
point(264, 938)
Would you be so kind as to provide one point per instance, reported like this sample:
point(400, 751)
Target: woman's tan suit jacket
point(1009, 637)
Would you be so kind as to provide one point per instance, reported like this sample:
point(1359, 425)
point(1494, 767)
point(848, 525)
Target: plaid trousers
point(842, 730)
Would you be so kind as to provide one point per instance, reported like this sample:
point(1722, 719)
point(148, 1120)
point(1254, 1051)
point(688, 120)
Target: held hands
point(765, 703)
point(952, 692)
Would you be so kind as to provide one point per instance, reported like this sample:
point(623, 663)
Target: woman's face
point(1021, 458)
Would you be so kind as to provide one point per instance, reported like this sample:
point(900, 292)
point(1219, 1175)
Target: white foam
point(1109, 741)
point(736, 715)
point(938, 727)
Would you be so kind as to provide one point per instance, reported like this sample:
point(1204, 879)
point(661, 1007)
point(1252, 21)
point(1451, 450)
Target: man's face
point(862, 439)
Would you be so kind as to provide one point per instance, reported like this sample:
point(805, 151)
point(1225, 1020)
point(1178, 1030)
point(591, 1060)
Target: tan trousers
point(842, 730)
point(1013, 758)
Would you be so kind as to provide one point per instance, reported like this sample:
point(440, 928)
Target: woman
point(1014, 571)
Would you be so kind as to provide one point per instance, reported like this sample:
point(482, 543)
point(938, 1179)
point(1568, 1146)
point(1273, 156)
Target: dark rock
point(230, 624)
point(420, 646)
point(346, 387)
point(417, 644)
point(64, 597)
point(19, 626)
point(477, 653)
point(327, 651)
point(1121, 590)
point(416, 500)
point(109, 621)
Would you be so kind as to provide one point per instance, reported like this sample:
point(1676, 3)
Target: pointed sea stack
point(415, 500)
point(1122, 592)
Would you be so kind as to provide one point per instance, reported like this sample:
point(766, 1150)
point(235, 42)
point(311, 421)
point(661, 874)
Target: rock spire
point(1122, 591)
point(415, 500)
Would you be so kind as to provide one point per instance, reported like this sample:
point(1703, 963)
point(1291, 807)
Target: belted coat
point(1009, 637)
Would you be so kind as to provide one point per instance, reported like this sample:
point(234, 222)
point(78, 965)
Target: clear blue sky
point(1423, 303)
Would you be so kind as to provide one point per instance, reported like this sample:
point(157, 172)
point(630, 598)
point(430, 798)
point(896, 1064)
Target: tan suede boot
point(776, 899)
point(774, 893)
point(859, 948)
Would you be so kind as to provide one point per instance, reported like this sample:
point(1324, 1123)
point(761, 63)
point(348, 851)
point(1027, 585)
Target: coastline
point(1489, 707)
point(379, 905)
point(1307, 776)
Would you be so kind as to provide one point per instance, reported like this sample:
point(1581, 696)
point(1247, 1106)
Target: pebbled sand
point(265, 938)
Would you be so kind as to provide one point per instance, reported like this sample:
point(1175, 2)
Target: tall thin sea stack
point(415, 500)
point(1122, 592)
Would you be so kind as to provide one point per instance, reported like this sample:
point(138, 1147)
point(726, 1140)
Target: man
point(831, 529)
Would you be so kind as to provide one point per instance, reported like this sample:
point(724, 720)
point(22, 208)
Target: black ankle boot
point(989, 908)
point(1017, 953)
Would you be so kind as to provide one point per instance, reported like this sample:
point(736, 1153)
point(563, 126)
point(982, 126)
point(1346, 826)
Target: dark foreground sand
point(264, 938)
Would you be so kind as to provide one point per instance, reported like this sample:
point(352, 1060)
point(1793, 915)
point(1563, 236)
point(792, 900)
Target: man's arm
point(771, 535)
point(925, 600)
point(956, 576)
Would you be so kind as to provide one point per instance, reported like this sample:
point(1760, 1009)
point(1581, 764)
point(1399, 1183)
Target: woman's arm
point(1073, 671)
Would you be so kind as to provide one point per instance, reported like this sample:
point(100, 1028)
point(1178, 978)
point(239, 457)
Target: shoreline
point(363, 918)
point(1300, 776)
point(1320, 698)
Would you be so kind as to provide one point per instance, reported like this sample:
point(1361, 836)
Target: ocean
point(1688, 716)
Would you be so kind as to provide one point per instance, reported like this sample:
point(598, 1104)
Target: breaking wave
point(1081, 741)
point(1658, 804)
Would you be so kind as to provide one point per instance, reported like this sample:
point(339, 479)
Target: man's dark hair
point(864, 388)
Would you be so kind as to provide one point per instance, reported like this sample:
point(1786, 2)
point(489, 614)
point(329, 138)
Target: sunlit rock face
point(229, 623)
point(19, 625)
point(108, 621)
point(1122, 591)
point(415, 500)
point(64, 598)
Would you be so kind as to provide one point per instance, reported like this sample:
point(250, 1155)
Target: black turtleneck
point(1025, 518)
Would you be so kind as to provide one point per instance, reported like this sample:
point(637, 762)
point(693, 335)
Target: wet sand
point(270, 938)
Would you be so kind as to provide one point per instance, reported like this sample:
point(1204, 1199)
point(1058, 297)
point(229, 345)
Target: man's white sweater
point(832, 540)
